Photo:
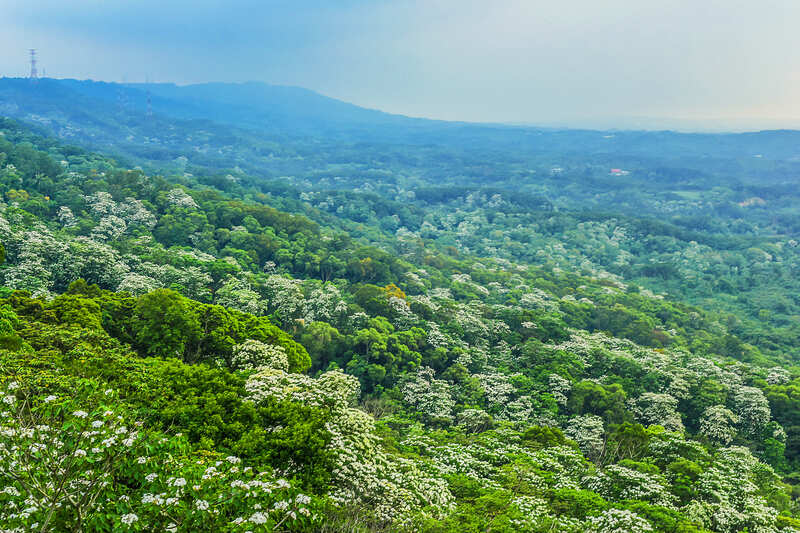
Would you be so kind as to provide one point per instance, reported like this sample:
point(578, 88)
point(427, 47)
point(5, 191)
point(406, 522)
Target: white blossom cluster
point(619, 483)
point(559, 387)
point(661, 409)
point(237, 293)
point(718, 425)
point(365, 474)
point(752, 409)
point(57, 470)
point(333, 389)
point(179, 198)
point(730, 500)
point(252, 354)
point(429, 395)
point(618, 521)
point(114, 218)
point(587, 431)
point(40, 262)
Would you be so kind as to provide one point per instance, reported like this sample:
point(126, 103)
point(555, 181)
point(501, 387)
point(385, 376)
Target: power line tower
point(34, 73)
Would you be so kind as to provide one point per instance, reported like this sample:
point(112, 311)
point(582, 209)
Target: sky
point(691, 64)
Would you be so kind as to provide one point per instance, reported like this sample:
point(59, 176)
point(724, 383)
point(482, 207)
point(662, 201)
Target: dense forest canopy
point(261, 310)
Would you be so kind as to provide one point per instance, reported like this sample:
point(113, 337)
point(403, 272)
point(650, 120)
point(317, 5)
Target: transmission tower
point(34, 73)
point(149, 105)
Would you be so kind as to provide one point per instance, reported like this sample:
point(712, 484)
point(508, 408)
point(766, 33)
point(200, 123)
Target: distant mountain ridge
point(254, 99)
point(104, 113)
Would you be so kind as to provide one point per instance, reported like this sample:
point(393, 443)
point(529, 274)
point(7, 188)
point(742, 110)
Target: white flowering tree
point(193, 281)
point(474, 420)
point(110, 228)
point(559, 387)
point(618, 483)
point(137, 284)
point(778, 376)
point(366, 474)
point(285, 297)
point(497, 389)
point(72, 464)
point(135, 214)
point(115, 218)
point(718, 425)
point(752, 407)
point(66, 217)
point(100, 204)
point(588, 432)
point(429, 395)
point(618, 521)
point(253, 354)
point(729, 494)
point(661, 409)
point(179, 198)
point(402, 316)
point(325, 304)
point(236, 293)
point(31, 255)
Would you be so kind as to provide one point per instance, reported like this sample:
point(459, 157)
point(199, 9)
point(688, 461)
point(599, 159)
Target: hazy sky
point(590, 62)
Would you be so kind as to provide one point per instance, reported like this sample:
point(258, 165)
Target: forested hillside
point(709, 219)
point(484, 334)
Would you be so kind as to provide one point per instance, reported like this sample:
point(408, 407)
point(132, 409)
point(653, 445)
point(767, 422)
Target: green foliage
point(485, 328)
point(538, 437)
point(206, 404)
point(83, 464)
point(577, 503)
point(605, 401)
point(165, 324)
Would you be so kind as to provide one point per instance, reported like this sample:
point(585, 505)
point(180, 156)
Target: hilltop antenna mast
point(149, 105)
point(34, 73)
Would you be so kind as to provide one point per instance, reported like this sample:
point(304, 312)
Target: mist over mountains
point(293, 112)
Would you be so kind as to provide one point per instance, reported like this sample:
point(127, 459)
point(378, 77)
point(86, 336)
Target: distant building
point(619, 172)
point(754, 201)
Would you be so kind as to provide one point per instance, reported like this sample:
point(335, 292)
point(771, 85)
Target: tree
point(236, 293)
point(587, 431)
point(718, 425)
point(752, 408)
point(618, 521)
point(606, 401)
point(254, 354)
point(651, 408)
point(83, 465)
point(626, 441)
point(324, 344)
point(165, 323)
point(429, 395)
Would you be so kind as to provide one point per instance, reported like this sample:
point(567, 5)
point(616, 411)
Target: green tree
point(165, 323)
